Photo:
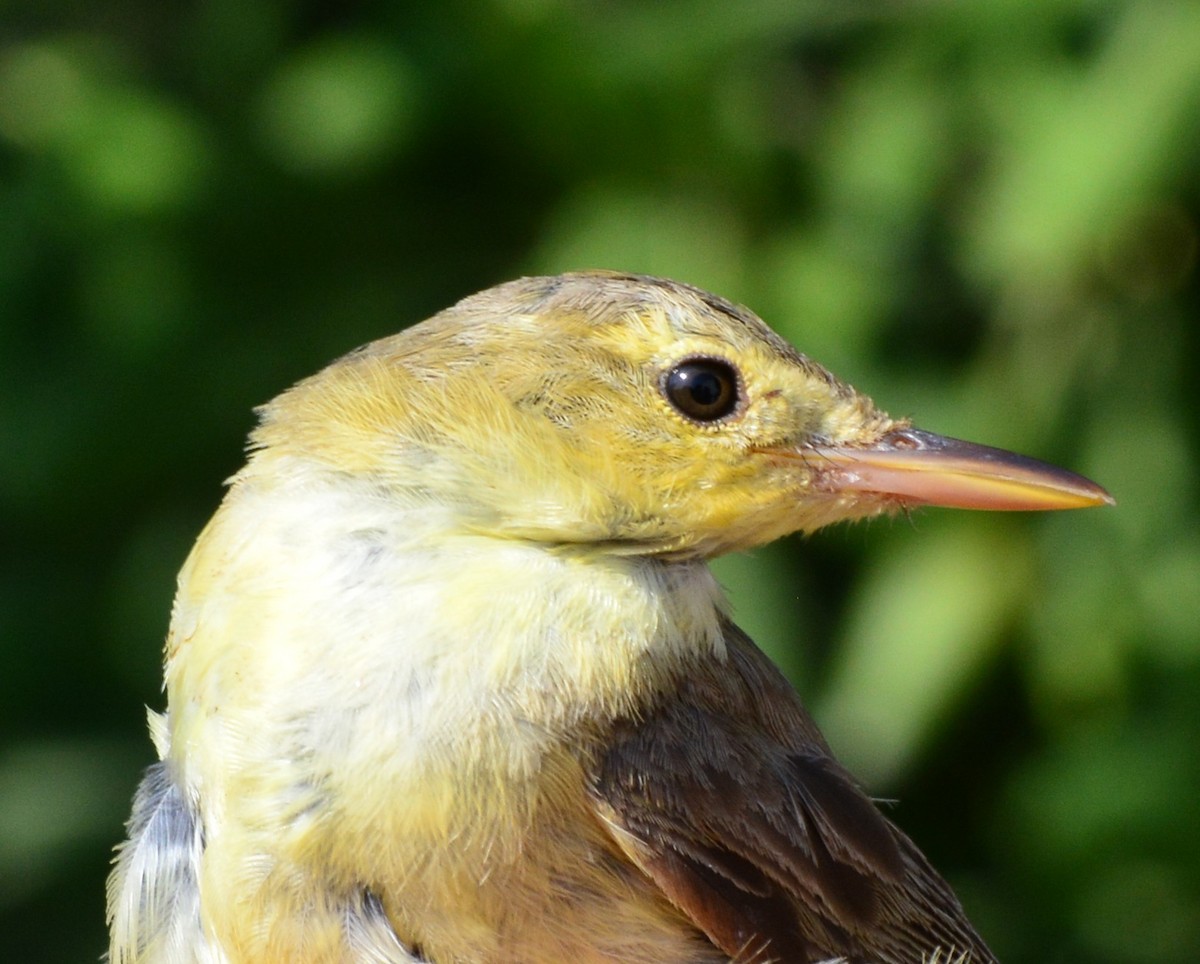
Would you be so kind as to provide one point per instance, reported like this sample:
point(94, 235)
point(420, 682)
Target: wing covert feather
point(754, 831)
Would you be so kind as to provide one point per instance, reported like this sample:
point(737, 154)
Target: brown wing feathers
point(761, 838)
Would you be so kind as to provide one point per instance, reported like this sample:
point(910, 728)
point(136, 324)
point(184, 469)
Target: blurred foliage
point(985, 214)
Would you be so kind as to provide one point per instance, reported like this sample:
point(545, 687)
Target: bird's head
point(627, 413)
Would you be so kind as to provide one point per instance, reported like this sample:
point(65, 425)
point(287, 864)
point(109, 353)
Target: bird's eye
point(703, 389)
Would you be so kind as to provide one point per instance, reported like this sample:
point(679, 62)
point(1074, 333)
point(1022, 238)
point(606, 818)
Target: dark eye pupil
point(704, 389)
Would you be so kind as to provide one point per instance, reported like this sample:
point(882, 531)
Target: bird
point(449, 679)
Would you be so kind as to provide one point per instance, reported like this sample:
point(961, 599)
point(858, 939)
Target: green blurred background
point(982, 214)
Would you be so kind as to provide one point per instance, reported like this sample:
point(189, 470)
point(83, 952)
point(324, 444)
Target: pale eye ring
point(703, 389)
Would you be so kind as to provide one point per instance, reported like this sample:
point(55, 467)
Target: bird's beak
point(919, 468)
